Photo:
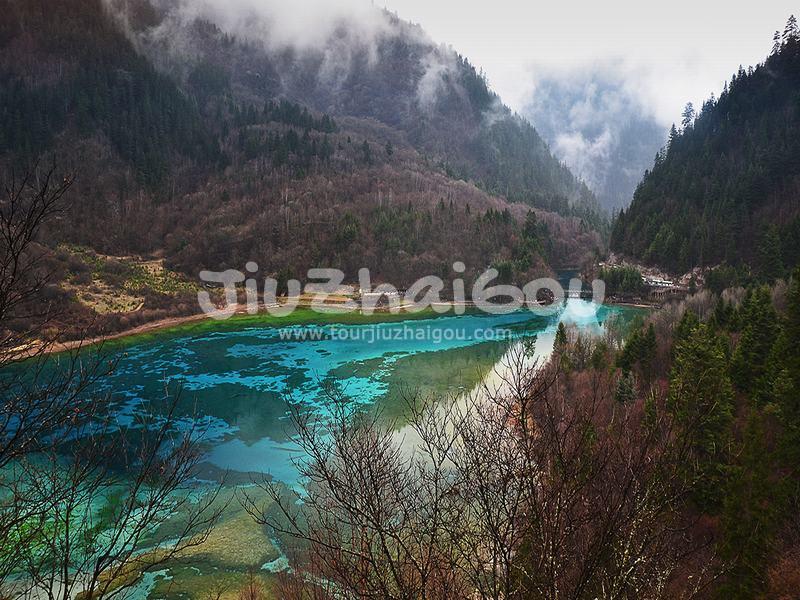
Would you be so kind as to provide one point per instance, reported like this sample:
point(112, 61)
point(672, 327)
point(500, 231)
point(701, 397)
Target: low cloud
point(301, 24)
point(436, 64)
point(584, 154)
point(338, 35)
point(597, 123)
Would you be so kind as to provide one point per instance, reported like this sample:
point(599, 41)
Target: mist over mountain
point(599, 128)
point(366, 63)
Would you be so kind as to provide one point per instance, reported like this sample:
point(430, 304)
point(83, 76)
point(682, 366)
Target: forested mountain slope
point(66, 70)
point(218, 152)
point(727, 187)
point(391, 72)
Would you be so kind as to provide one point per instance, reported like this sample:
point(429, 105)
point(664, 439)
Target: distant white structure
point(657, 282)
point(371, 294)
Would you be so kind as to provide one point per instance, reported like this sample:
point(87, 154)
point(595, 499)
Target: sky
point(666, 53)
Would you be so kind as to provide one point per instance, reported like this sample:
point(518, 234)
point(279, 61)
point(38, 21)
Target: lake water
point(235, 381)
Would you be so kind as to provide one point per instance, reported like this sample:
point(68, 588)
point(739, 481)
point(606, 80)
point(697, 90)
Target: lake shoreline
point(644, 305)
point(176, 324)
point(264, 318)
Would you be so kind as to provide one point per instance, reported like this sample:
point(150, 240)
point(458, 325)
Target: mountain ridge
point(724, 191)
point(206, 173)
point(400, 78)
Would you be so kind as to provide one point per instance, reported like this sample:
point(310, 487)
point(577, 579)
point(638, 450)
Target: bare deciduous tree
point(86, 505)
point(26, 206)
point(540, 487)
point(111, 491)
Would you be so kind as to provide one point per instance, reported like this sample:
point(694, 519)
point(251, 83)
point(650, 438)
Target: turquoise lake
point(235, 383)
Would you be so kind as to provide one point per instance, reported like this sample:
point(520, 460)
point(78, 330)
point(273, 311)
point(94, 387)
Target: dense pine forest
point(724, 191)
point(715, 378)
point(89, 80)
